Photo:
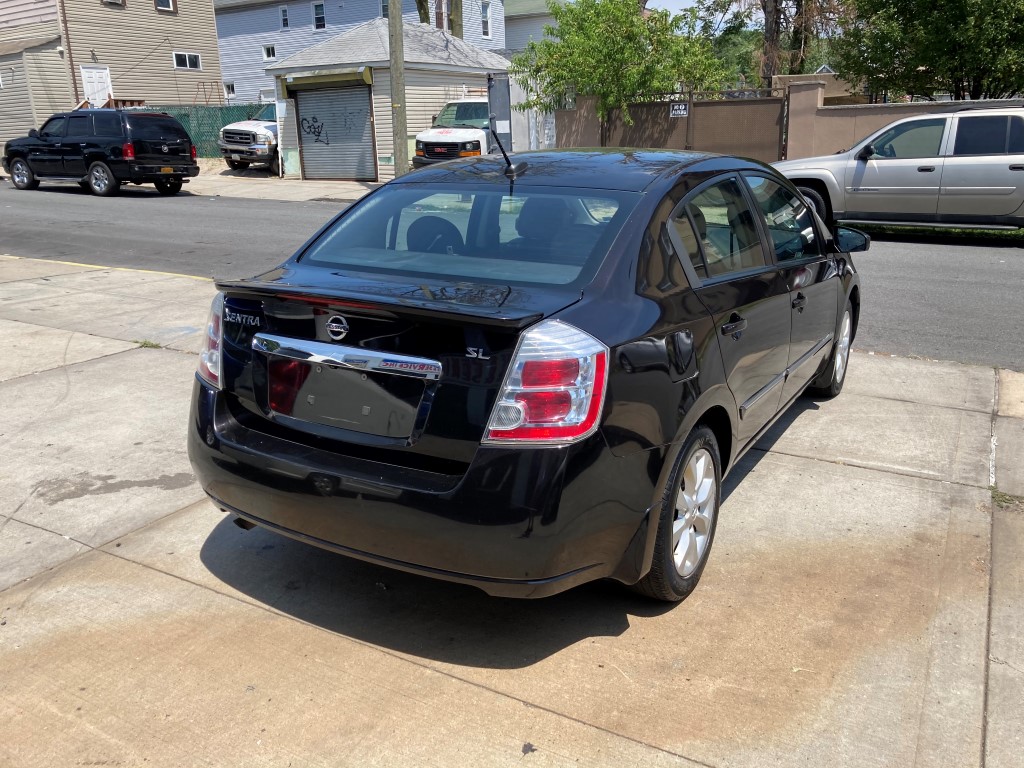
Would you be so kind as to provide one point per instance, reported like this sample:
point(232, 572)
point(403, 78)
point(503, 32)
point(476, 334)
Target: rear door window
point(982, 135)
point(718, 230)
point(80, 125)
point(554, 236)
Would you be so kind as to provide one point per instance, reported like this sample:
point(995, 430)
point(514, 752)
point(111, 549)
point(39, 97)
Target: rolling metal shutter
point(336, 134)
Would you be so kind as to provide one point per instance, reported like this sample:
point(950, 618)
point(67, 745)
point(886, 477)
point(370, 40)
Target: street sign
point(678, 110)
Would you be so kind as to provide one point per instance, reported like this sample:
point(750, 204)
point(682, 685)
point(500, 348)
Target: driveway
point(845, 618)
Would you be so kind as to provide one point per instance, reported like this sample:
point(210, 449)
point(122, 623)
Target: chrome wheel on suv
point(101, 180)
point(22, 176)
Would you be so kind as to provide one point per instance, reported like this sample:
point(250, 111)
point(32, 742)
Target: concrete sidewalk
point(863, 605)
point(216, 179)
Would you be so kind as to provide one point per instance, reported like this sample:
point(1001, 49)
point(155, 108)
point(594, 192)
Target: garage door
point(336, 135)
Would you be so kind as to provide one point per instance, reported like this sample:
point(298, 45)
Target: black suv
point(101, 149)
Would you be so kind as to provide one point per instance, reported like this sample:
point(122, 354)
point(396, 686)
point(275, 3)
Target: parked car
point(252, 141)
point(959, 168)
point(524, 377)
point(460, 129)
point(101, 149)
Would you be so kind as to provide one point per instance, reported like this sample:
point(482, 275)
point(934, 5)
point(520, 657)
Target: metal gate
point(336, 134)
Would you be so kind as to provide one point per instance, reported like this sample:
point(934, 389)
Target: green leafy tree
point(971, 49)
point(609, 50)
point(424, 10)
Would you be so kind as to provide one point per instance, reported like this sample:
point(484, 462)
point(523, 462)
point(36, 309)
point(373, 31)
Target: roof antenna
point(511, 170)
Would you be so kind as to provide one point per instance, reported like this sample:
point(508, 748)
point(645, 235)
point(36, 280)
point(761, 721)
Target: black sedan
point(525, 376)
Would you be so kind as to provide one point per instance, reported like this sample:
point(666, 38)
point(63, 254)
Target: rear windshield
point(156, 128)
point(538, 235)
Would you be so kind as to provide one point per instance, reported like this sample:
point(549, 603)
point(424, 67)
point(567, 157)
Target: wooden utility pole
point(399, 123)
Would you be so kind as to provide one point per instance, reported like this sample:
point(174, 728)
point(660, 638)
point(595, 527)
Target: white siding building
point(257, 34)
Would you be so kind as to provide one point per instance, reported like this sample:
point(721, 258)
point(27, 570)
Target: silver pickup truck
point(252, 141)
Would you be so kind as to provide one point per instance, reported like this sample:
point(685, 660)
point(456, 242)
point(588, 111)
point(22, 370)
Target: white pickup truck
point(459, 130)
point(251, 141)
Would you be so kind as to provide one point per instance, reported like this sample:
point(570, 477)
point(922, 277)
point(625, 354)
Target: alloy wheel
point(843, 347)
point(19, 172)
point(695, 513)
point(100, 179)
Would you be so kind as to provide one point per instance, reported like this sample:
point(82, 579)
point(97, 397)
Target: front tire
point(237, 165)
point(687, 520)
point(817, 201)
point(22, 176)
point(101, 180)
point(830, 382)
point(275, 165)
point(168, 187)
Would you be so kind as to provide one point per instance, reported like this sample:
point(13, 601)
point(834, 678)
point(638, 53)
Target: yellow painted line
point(116, 269)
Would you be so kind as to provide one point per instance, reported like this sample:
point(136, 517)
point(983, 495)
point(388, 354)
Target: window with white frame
point(485, 18)
point(384, 8)
point(319, 16)
point(283, 9)
point(166, 5)
point(269, 52)
point(229, 90)
point(187, 60)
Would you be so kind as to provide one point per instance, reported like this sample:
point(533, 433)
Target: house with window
point(257, 34)
point(56, 54)
point(525, 21)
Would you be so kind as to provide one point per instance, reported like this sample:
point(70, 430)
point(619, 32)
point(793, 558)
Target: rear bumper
point(517, 523)
point(146, 174)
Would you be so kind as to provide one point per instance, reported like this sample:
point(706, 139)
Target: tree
point(967, 48)
point(609, 50)
point(790, 29)
point(423, 9)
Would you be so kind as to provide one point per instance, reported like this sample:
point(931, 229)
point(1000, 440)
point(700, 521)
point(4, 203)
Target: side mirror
point(433, 120)
point(849, 240)
point(867, 152)
point(33, 134)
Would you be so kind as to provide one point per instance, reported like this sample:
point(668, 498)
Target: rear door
point(810, 275)
point(745, 293)
point(901, 179)
point(983, 176)
point(159, 141)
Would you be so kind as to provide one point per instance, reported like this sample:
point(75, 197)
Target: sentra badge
point(337, 327)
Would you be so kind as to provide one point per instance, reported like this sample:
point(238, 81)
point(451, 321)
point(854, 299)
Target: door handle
point(799, 302)
point(1017, 167)
point(84, 144)
point(735, 326)
point(926, 169)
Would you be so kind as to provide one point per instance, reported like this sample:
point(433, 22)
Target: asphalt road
point(921, 297)
point(189, 234)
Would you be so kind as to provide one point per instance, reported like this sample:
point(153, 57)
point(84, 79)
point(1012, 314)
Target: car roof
point(105, 110)
point(611, 168)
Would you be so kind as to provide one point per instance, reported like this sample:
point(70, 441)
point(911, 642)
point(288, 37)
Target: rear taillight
point(554, 390)
point(128, 151)
point(286, 379)
point(210, 354)
point(192, 153)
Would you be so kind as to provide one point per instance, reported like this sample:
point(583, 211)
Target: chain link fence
point(204, 123)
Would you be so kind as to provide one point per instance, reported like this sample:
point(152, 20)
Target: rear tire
point(817, 201)
point(168, 187)
point(275, 165)
point(22, 176)
point(237, 165)
point(830, 382)
point(101, 180)
point(687, 520)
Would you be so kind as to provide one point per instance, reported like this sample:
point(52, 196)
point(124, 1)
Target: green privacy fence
point(204, 123)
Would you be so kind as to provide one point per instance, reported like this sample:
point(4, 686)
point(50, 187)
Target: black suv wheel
point(168, 187)
point(101, 180)
point(22, 176)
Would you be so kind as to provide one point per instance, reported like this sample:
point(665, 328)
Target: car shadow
point(973, 238)
point(428, 618)
point(411, 614)
point(127, 190)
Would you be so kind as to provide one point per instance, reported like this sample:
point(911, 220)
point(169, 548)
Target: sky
point(672, 5)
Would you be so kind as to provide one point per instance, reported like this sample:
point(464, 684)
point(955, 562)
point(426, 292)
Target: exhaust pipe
point(244, 524)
